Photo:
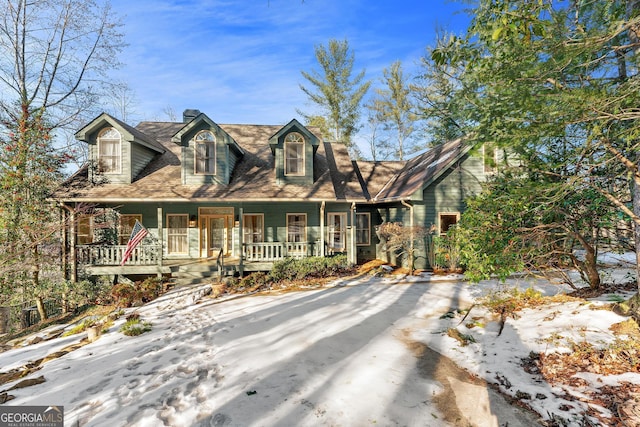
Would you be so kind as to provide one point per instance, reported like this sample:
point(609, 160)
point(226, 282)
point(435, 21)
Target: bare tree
point(121, 101)
point(53, 56)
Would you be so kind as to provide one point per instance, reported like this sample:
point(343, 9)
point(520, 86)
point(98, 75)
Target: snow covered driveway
point(336, 356)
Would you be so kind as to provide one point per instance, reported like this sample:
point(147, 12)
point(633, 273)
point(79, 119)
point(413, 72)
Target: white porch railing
point(112, 255)
point(276, 251)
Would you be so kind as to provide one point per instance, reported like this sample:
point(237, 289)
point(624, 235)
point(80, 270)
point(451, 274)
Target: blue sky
point(240, 61)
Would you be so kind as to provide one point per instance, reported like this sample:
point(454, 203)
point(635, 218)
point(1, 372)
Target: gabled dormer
point(294, 148)
point(209, 154)
point(117, 151)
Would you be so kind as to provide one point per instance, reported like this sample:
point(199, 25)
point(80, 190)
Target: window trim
point(244, 225)
point(123, 239)
point(343, 231)
point(440, 215)
point(205, 143)
point(304, 233)
point(171, 235)
point(299, 141)
point(100, 141)
point(368, 228)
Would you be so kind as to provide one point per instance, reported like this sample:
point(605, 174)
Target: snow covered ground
point(342, 355)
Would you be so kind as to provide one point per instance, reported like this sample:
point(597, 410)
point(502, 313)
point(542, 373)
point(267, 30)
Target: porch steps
point(189, 274)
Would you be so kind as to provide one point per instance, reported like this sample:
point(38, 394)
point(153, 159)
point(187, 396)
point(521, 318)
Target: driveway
point(339, 356)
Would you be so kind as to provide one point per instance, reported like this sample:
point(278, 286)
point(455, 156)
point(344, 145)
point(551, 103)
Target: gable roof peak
point(422, 170)
point(128, 132)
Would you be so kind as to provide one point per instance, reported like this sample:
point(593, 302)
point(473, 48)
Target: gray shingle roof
point(253, 177)
point(422, 170)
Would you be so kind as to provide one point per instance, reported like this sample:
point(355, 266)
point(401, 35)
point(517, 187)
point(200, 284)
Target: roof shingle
point(253, 178)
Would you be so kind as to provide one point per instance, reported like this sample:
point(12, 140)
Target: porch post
point(322, 206)
point(160, 242)
point(63, 241)
point(72, 247)
point(352, 236)
point(241, 240)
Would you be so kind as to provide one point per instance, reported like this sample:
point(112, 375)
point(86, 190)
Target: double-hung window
point(205, 152)
point(253, 225)
point(363, 229)
point(296, 228)
point(126, 226)
point(177, 233)
point(294, 154)
point(109, 151)
point(337, 230)
point(84, 229)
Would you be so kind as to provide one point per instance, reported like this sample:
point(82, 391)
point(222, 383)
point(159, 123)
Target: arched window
point(294, 154)
point(205, 153)
point(109, 151)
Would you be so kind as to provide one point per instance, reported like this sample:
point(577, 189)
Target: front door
point(214, 235)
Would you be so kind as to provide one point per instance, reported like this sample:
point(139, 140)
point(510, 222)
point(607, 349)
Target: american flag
point(137, 234)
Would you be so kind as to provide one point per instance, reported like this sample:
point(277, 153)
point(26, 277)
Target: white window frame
point(341, 232)
point(296, 141)
point(252, 232)
point(366, 229)
point(124, 233)
point(177, 233)
point(110, 163)
point(440, 224)
point(207, 140)
point(304, 231)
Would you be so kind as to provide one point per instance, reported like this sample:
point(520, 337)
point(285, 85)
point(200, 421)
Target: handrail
point(275, 251)
point(220, 262)
point(103, 255)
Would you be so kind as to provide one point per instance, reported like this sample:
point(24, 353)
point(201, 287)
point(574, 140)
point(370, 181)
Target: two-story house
point(244, 196)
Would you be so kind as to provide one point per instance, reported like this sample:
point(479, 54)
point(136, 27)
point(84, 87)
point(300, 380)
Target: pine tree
point(335, 92)
point(393, 107)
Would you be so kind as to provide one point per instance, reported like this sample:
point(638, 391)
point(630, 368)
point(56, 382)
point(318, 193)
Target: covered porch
point(146, 259)
point(218, 240)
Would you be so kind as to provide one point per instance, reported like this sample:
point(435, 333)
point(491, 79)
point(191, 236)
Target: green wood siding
point(446, 194)
point(140, 157)
point(226, 159)
point(275, 220)
point(124, 177)
point(310, 146)
point(449, 192)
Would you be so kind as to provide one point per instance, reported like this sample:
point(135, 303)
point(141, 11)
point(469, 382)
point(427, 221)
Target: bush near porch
point(290, 272)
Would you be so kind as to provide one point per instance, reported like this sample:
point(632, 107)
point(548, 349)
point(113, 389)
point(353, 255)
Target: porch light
point(193, 221)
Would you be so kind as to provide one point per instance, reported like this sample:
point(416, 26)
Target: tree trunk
point(588, 268)
point(36, 283)
point(41, 311)
point(636, 226)
point(591, 268)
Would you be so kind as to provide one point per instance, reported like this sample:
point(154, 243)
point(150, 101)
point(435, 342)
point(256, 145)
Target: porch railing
point(95, 255)
point(275, 251)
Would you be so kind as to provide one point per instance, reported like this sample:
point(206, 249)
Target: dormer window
point(109, 151)
point(294, 154)
point(205, 153)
